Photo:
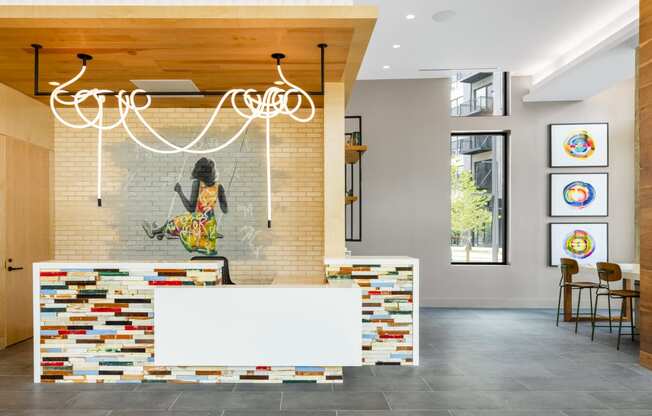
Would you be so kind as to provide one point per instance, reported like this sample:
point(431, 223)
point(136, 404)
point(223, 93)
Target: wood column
point(645, 178)
point(334, 189)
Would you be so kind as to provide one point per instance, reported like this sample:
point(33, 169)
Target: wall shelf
point(353, 153)
point(350, 199)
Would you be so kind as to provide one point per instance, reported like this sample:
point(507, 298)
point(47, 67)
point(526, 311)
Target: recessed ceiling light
point(410, 16)
point(443, 15)
point(386, 66)
point(396, 46)
point(279, 82)
point(54, 83)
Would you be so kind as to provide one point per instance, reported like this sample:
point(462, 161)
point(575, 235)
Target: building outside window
point(478, 198)
point(475, 93)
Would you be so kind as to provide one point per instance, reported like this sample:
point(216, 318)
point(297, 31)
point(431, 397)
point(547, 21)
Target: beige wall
point(137, 185)
point(406, 202)
point(22, 118)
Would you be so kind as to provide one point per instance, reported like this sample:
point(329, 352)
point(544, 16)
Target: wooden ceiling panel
point(218, 48)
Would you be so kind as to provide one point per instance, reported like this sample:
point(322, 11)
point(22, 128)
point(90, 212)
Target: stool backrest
point(568, 268)
point(609, 272)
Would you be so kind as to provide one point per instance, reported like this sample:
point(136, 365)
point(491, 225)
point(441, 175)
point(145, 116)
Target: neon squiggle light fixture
point(273, 102)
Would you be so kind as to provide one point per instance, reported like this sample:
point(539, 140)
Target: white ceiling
point(524, 37)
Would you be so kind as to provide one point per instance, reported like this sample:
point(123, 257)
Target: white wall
point(406, 186)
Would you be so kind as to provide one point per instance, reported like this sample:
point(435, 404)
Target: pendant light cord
point(269, 172)
point(99, 155)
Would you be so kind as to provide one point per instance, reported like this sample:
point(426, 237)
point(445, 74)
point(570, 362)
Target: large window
point(478, 198)
point(478, 93)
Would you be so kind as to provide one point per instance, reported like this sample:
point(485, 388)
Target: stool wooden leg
point(627, 285)
point(620, 323)
point(568, 303)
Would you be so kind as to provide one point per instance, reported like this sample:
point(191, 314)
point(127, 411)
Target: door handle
point(10, 268)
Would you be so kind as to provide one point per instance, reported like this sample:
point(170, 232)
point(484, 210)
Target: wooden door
point(644, 95)
point(26, 200)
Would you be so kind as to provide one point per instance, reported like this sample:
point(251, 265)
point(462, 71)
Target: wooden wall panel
point(217, 47)
point(3, 241)
point(25, 118)
point(334, 217)
point(645, 178)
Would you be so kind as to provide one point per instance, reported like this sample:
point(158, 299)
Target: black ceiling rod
point(36, 47)
point(322, 47)
point(85, 58)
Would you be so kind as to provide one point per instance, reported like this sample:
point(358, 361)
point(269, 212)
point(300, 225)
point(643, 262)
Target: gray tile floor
point(473, 363)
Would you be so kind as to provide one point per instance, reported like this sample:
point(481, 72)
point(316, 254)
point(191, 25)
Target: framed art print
point(579, 194)
point(579, 145)
point(588, 243)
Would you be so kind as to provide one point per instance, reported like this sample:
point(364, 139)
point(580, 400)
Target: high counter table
point(174, 322)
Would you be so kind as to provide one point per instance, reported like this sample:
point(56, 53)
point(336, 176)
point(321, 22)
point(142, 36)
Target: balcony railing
point(467, 145)
point(476, 107)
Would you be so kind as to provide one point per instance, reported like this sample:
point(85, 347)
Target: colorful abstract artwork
point(587, 243)
point(579, 145)
point(581, 194)
point(579, 244)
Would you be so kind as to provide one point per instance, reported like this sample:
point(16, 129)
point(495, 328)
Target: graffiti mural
point(196, 228)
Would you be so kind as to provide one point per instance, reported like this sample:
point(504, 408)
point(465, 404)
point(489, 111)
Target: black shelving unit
point(353, 183)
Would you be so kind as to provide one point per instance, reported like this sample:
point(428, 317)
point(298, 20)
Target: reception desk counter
point(390, 305)
point(113, 322)
point(174, 322)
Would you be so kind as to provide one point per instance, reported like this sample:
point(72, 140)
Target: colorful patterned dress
point(198, 230)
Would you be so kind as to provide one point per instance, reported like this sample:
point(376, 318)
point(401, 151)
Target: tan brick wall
point(138, 185)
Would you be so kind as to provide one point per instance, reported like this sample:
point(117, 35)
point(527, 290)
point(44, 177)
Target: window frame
point(506, 190)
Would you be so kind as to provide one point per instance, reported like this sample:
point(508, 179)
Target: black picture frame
point(550, 225)
point(550, 213)
point(550, 127)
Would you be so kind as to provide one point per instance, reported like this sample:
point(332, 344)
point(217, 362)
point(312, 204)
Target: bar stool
point(569, 268)
point(608, 273)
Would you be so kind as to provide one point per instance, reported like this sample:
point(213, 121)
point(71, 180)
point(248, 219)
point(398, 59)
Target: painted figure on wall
point(197, 228)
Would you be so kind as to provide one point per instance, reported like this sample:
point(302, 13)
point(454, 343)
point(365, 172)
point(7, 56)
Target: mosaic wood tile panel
point(387, 305)
point(97, 326)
